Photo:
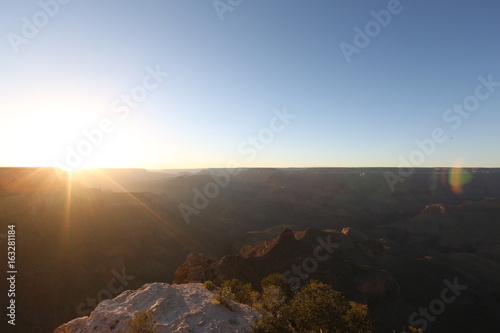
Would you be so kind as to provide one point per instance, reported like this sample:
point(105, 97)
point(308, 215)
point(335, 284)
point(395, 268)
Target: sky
point(284, 83)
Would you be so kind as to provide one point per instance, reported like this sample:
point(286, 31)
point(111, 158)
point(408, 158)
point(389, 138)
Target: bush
point(272, 305)
point(356, 318)
point(241, 293)
point(143, 322)
point(276, 279)
point(224, 296)
point(233, 290)
point(210, 285)
point(318, 307)
point(315, 308)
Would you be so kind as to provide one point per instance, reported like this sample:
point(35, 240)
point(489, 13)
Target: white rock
point(179, 308)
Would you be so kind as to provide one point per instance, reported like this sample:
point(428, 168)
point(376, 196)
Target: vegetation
point(276, 279)
point(210, 285)
point(273, 307)
point(143, 322)
point(241, 293)
point(315, 308)
point(357, 319)
point(224, 296)
point(234, 290)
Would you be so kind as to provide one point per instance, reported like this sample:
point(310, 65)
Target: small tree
point(210, 285)
point(143, 322)
point(274, 310)
point(356, 318)
point(317, 307)
point(242, 293)
point(224, 296)
point(276, 279)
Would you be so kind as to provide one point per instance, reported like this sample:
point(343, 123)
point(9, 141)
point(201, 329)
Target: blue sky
point(227, 79)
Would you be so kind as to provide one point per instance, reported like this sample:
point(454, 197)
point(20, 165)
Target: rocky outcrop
point(468, 227)
point(286, 236)
point(285, 240)
point(181, 309)
point(435, 209)
point(355, 235)
point(293, 252)
point(198, 267)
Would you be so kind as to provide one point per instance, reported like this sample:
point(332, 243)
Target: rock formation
point(178, 308)
point(288, 250)
point(198, 267)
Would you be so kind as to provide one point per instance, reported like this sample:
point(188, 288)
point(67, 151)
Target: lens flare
point(457, 178)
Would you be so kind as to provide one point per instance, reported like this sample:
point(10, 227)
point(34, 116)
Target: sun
point(71, 131)
point(40, 130)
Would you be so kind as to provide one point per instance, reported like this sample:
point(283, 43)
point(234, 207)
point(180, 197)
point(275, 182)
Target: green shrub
point(210, 285)
point(224, 296)
point(315, 308)
point(143, 322)
point(318, 307)
point(276, 279)
point(241, 293)
point(356, 318)
point(234, 290)
point(274, 310)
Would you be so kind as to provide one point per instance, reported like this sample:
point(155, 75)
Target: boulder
point(178, 308)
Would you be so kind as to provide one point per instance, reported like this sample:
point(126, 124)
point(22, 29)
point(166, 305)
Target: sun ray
point(67, 208)
point(177, 232)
